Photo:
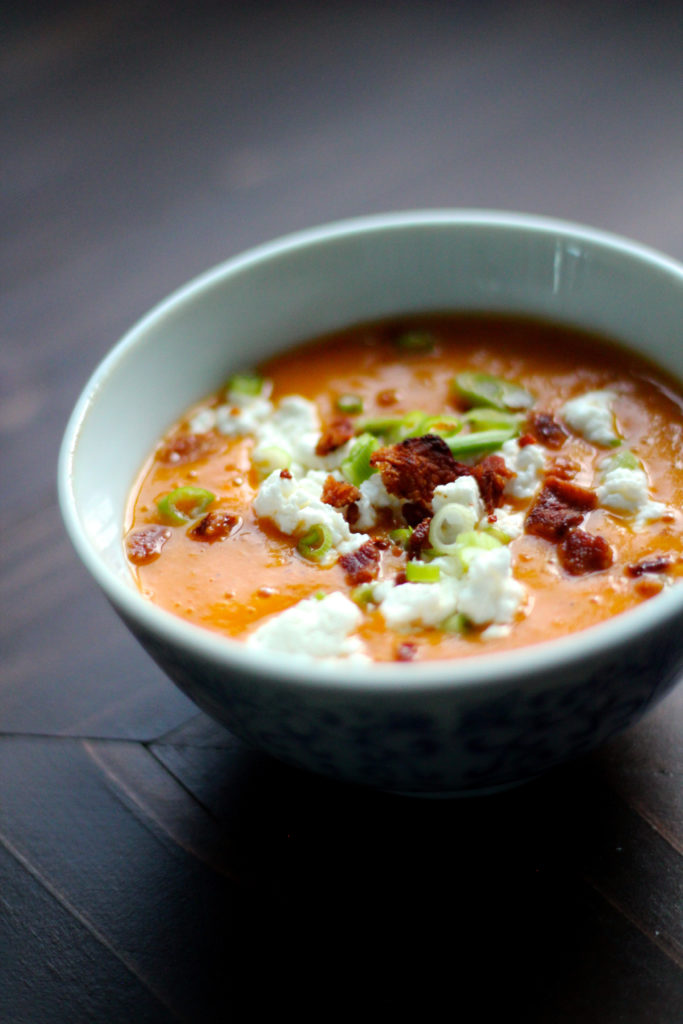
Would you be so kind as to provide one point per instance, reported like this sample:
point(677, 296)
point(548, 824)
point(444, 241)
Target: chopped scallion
point(484, 389)
point(362, 595)
point(349, 403)
point(455, 623)
point(470, 543)
point(484, 418)
point(449, 523)
point(401, 535)
point(315, 543)
point(478, 441)
point(416, 341)
point(184, 504)
point(245, 384)
point(356, 466)
point(418, 572)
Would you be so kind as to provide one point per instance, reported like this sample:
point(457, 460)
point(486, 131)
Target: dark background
point(151, 868)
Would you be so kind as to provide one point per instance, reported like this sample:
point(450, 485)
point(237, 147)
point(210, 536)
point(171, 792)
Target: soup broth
point(433, 487)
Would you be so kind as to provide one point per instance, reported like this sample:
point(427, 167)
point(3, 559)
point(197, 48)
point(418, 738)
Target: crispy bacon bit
point(526, 439)
point(580, 553)
point(400, 578)
point(564, 468)
point(361, 566)
point(660, 563)
point(649, 586)
point(285, 474)
point(351, 513)
point(214, 526)
point(491, 475)
point(184, 448)
point(338, 493)
point(406, 651)
point(412, 468)
point(145, 545)
point(550, 517)
point(337, 433)
point(419, 538)
point(387, 397)
point(546, 430)
point(571, 494)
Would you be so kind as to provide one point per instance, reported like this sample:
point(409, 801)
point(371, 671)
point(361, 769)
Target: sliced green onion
point(184, 504)
point(418, 572)
point(484, 389)
point(245, 384)
point(416, 341)
point(625, 459)
point(362, 595)
point(315, 543)
point(478, 441)
point(469, 544)
point(444, 426)
point(401, 536)
point(356, 466)
point(319, 595)
point(484, 418)
point(349, 403)
point(455, 623)
point(448, 524)
point(268, 458)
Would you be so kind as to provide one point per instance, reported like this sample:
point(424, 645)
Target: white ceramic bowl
point(442, 727)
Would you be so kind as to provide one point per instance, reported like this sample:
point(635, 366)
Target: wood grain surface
point(151, 867)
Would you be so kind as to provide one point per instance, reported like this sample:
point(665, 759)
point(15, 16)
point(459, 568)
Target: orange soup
point(433, 487)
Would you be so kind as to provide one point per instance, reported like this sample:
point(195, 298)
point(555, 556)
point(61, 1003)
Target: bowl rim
point(495, 669)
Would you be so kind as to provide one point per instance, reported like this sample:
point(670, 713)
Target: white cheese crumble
point(624, 490)
point(485, 593)
point(463, 491)
point(317, 628)
point(592, 416)
point(508, 522)
point(294, 505)
point(489, 592)
point(374, 496)
point(527, 462)
point(417, 604)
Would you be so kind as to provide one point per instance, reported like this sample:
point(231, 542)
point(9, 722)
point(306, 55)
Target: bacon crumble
point(660, 563)
point(145, 545)
point(337, 433)
point(419, 538)
point(362, 565)
point(184, 448)
point(339, 493)
point(214, 526)
point(413, 468)
point(546, 430)
point(580, 553)
point(491, 475)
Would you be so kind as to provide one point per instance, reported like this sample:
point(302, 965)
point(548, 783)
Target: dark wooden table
point(151, 867)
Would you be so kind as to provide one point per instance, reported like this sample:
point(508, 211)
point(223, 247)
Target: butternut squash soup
point(426, 488)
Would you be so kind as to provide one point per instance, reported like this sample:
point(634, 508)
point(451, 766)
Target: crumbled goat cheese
point(509, 522)
point(463, 491)
point(417, 604)
point(624, 490)
point(489, 592)
point(294, 505)
point(592, 416)
point(314, 628)
point(527, 463)
point(374, 496)
point(486, 593)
